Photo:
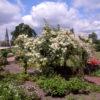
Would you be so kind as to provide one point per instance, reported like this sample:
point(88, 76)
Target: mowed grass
point(98, 55)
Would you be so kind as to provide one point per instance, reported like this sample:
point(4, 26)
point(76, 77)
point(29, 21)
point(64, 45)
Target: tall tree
point(23, 29)
point(72, 30)
point(93, 36)
point(95, 40)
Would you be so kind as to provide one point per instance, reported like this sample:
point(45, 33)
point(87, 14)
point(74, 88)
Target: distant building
point(7, 41)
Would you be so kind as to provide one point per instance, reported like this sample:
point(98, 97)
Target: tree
point(97, 45)
point(96, 41)
point(93, 36)
point(72, 30)
point(23, 29)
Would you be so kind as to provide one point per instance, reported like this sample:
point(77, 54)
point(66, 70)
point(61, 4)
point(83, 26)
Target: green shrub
point(96, 73)
point(93, 87)
point(22, 76)
point(76, 85)
point(18, 78)
point(11, 91)
point(55, 86)
point(3, 57)
point(4, 53)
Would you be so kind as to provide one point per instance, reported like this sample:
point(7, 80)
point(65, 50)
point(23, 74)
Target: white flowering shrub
point(54, 48)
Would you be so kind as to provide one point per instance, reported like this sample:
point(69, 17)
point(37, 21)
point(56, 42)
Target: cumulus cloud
point(9, 16)
point(87, 4)
point(54, 12)
point(59, 13)
point(8, 12)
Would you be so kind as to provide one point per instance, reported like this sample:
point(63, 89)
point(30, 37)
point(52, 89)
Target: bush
point(94, 88)
point(55, 86)
point(10, 90)
point(17, 78)
point(3, 57)
point(76, 85)
point(96, 73)
point(55, 49)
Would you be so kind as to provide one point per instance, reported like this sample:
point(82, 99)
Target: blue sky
point(82, 15)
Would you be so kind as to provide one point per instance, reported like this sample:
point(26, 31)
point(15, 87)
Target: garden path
point(93, 79)
point(12, 67)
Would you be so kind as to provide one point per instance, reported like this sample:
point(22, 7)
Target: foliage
point(76, 85)
point(93, 36)
point(96, 73)
point(3, 57)
point(53, 49)
point(4, 53)
point(55, 86)
point(95, 40)
point(97, 45)
point(10, 88)
point(23, 29)
point(8, 91)
point(21, 51)
point(23, 77)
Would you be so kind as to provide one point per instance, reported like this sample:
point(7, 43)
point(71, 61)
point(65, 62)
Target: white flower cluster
point(50, 46)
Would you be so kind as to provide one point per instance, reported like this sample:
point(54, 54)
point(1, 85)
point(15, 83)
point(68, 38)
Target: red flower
point(93, 61)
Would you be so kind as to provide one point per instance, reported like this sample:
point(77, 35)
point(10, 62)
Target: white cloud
point(8, 12)
point(87, 5)
point(59, 13)
point(9, 16)
point(54, 12)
